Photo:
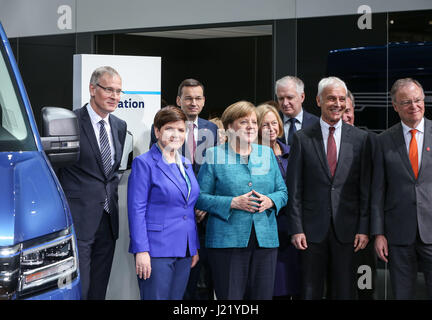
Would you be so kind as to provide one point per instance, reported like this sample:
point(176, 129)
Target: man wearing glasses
point(91, 183)
point(402, 192)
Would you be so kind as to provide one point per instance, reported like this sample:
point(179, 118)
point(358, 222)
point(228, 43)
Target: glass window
point(15, 132)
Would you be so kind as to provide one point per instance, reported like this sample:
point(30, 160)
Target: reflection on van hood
point(30, 202)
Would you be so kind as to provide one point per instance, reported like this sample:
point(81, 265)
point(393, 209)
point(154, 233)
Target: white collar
point(94, 117)
point(326, 126)
point(298, 117)
point(420, 127)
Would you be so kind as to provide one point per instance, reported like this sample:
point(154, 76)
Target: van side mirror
point(126, 161)
point(60, 136)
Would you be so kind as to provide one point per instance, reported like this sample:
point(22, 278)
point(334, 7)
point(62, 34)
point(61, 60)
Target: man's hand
point(200, 215)
point(381, 247)
point(299, 241)
point(360, 242)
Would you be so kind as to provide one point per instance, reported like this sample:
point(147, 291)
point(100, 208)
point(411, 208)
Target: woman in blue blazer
point(242, 190)
point(162, 192)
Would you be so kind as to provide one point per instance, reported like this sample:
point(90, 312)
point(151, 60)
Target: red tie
point(331, 151)
point(191, 141)
point(413, 152)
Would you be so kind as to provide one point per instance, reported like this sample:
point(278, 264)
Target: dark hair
point(168, 114)
point(189, 83)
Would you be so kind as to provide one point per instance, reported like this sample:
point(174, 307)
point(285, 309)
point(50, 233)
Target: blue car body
point(38, 254)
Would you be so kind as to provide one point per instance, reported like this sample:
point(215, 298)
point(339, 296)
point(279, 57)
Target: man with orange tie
point(402, 192)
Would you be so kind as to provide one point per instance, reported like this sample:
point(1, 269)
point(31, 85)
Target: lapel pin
point(427, 149)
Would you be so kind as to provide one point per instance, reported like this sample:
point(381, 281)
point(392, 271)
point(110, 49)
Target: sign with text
point(141, 85)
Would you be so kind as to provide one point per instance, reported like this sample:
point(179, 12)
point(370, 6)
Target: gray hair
point(330, 82)
point(99, 72)
point(286, 80)
point(351, 97)
point(402, 83)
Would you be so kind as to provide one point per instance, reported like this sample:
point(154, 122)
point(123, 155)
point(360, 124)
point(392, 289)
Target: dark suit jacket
point(207, 138)
point(85, 183)
point(308, 120)
point(400, 202)
point(315, 198)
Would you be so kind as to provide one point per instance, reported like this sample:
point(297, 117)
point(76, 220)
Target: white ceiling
point(231, 32)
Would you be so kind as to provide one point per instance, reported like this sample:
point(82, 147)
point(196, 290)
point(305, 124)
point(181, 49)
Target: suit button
point(184, 217)
point(185, 206)
point(250, 184)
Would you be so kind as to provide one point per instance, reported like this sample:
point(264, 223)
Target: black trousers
point(243, 273)
point(404, 263)
point(329, 259)
point(95, 261)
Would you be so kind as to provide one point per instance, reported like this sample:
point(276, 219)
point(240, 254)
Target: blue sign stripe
point(141, 92)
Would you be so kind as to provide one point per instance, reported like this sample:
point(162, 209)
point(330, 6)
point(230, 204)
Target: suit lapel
point(91, 137)
point(426, 150)
point(344, 146)
point(166, 169)
point(319, 147)
point(399, 141)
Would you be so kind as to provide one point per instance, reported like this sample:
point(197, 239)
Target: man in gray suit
point(328, 207)
point(402, 192)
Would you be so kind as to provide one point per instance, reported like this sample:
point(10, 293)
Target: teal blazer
point(225, 175)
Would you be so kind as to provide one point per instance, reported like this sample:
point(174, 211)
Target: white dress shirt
point(337, 134)
point(95, 118)
point(419, 137)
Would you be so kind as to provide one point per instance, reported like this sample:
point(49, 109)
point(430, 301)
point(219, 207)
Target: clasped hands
point(252, 202)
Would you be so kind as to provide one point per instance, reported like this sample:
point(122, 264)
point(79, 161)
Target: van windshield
point(15, 131)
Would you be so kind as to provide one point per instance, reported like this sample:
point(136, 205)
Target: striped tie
point(106, 156)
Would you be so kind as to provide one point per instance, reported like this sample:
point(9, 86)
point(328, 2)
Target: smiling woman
point(242, 190)
point(162, 191)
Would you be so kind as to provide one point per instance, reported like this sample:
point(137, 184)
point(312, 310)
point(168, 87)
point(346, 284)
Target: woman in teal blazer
point(242, 190)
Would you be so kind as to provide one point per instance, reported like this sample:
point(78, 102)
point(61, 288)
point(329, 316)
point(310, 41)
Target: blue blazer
point(161, 217)
point(223, 177)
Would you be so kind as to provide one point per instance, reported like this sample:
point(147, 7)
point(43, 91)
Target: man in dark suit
point(91, 184)
point(329, 170)
point(290, 95)
point(201, 134)
point(402, 192)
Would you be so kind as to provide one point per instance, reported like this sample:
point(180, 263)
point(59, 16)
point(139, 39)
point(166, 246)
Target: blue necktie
point(106, 156)
point(291, 130)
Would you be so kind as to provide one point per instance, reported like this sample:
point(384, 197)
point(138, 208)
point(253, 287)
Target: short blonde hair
point(261, 111)
point(235, 111)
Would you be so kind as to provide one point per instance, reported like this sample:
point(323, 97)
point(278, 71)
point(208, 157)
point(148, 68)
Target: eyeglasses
point(190, 99)
point(406, 103)
point(110, 90)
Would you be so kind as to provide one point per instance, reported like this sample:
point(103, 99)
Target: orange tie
point(413, 152)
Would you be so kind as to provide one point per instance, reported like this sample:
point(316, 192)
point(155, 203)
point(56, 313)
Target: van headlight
point(48, 262)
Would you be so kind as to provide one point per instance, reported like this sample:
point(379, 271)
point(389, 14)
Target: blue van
point(38, 252)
